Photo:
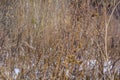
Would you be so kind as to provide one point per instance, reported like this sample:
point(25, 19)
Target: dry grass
point(59, 40)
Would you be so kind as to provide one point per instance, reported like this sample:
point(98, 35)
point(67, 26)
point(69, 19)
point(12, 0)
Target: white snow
point(107, 66)
point(17, 71)
point(91, 63)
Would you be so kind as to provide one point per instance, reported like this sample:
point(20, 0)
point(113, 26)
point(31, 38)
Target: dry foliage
point(59, 39)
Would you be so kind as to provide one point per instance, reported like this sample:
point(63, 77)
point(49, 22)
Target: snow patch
point(17, 71)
